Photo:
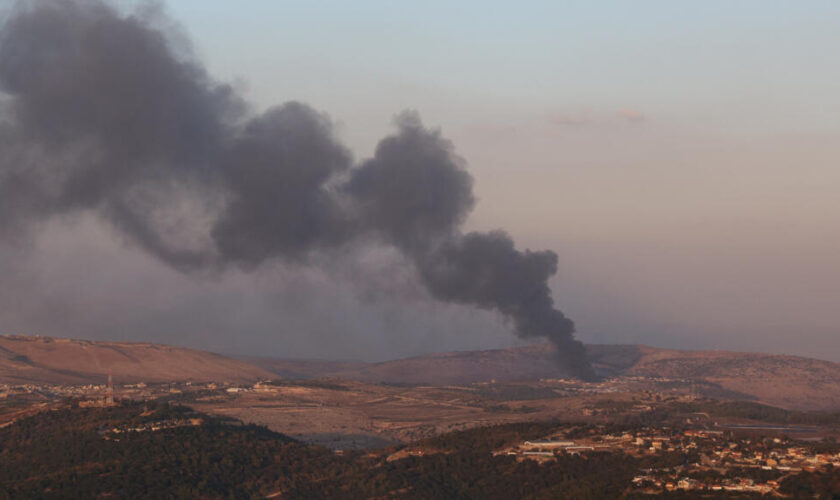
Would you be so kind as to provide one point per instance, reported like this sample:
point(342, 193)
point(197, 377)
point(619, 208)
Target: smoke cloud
point(110, 113)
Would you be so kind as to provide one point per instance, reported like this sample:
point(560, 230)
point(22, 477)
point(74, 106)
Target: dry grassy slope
point(303, 368)
point(460, 367)
point(789, 381)
point(25, 359)
point(521, 363)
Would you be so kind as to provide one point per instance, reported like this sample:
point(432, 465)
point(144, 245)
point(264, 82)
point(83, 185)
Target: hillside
point(780, 380)
point(305, 368)
point(28, 359)
point(446, 368)
point(175, 452)
point(459, 367)
point(787, 381)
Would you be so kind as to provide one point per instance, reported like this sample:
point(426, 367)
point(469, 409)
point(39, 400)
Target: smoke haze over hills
point(105, 114)
point(687, 183)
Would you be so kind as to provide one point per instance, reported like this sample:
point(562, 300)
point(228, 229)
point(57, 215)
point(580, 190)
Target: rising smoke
point(111, 114)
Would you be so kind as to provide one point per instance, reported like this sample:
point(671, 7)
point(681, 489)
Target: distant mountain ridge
point(459, 367)
point(780, 380)
point(34, 359)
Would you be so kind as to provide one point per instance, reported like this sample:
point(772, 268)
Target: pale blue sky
point(723, 64)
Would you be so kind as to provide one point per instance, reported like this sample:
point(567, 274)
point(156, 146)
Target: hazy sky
point(681, 158)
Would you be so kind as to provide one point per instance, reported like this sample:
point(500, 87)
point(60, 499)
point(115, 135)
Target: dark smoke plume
point(111, 114)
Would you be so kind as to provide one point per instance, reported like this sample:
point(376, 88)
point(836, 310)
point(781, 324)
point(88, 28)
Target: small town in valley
point(717, 460)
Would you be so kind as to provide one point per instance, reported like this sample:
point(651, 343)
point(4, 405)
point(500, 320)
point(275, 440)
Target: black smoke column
point(111, 114)
point(416, 193)
point(486, 270)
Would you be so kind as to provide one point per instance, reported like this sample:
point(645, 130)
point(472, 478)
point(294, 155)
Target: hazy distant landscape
point(298, 428)
point(419, 250)
point(784, 381)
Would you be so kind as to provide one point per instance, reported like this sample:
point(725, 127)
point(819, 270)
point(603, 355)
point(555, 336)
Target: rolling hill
point(459, 367)
point(34, 359)
point(447, 368)
point(780, 380)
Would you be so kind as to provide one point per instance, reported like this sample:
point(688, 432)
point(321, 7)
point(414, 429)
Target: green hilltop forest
point(74, 452)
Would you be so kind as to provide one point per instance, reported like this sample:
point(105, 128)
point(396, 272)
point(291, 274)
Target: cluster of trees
point(756, 474)
point(694, 495)
point(468, 474)
point(486, 439)
point(759, 412)
point(65, 454)
point(314, 383)
point(823, 484)
point(515, 392)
